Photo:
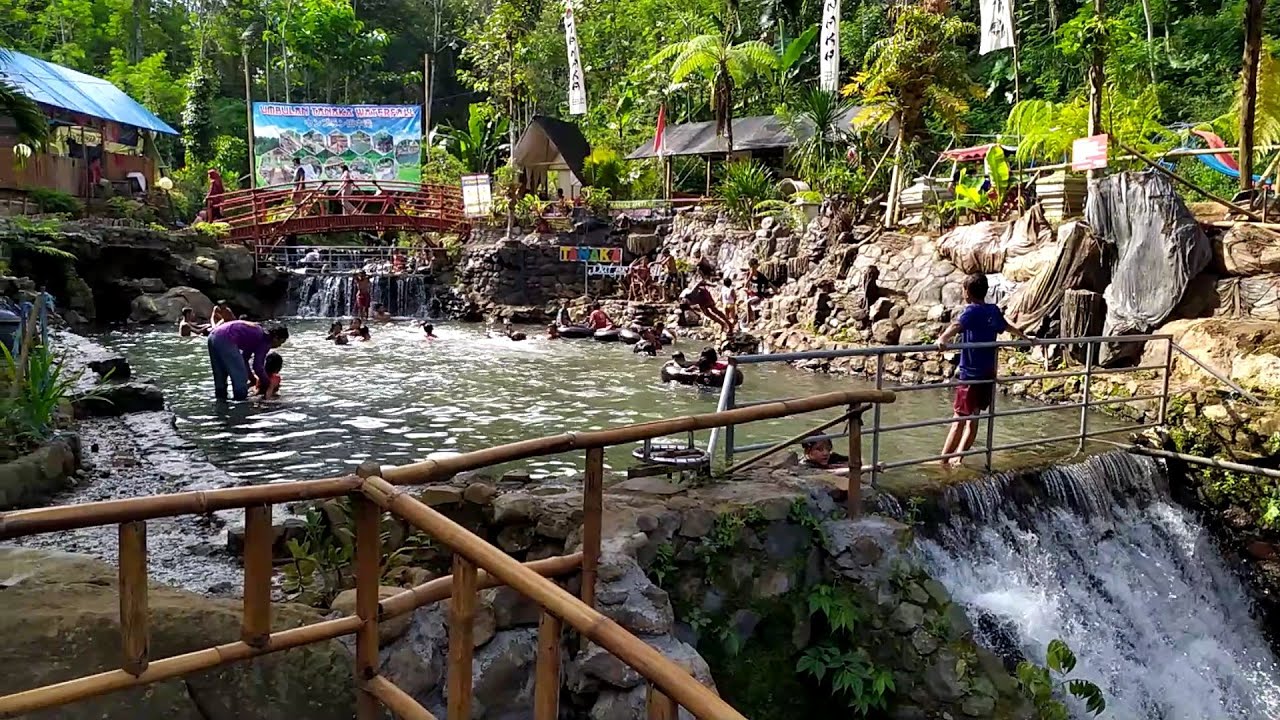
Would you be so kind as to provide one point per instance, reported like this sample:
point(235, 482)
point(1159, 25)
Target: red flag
point(659, 138)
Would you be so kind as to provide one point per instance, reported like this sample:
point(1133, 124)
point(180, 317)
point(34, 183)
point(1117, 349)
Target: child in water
point(273, 366)
point(363, 334)
point(188, 326)
point(429, 331)
point(336, 334)
point(553, 332)
point(380, 313)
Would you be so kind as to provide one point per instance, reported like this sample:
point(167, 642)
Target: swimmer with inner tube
point(598, 320)
point(553, 332)
point(512, 333)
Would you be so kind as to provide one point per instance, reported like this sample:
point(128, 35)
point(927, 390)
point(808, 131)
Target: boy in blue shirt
point(979, 322)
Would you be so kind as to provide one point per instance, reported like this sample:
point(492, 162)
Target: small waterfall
point(1096, 554)
point(334, 295)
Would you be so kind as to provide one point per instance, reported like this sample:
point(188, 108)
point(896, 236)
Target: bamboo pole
point(63, 693)
point(1221, 201)
point(368, 553)
point(854, 478)
point(1249, 88)
point(396, 700)
point(441, 588)
point(255, 626)
point(592, 523)
point(462, 618)
point(546, 686)
point(134, 635)
point(19, 523)
point(651, 664)
point(659, 706)
point(429, 470)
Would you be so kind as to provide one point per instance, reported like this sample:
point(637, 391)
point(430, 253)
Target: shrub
point(29, 404)
point(597, 200)
point(55, 201)
point(745, 185)
point(605, 169)
point(129, 209)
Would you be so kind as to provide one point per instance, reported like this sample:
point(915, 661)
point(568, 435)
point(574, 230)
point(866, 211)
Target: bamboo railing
point(476, 565)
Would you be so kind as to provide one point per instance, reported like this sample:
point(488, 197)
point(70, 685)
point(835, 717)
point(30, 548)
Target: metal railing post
point(731, 388)
point(726, 396)
point(991, 413)
point(1086, 392)
point(1168, 371)
point(875, 423)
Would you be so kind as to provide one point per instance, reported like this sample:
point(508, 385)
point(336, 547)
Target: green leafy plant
point(32, 398)
point(212, 229)
point(605, 169)
point(663, 565)
point(48, 200)
point(746, 184)
point(130, 209)
point(1044, 685)
point(597, 200)
point(481, 142)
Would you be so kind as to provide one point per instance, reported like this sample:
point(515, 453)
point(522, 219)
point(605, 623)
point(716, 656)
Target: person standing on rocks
point(979, 322)
point(234, 348)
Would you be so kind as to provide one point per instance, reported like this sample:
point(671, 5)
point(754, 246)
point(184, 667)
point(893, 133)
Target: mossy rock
point(61, 621)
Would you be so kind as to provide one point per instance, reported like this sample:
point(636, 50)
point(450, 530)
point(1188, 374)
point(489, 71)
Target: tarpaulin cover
point(67, 89)
point(984, 247)
point(1250, 250)
point(1256, 297)
point(1158, 244)
point(1077, 265)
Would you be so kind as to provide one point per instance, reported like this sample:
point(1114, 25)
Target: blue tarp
point(68, 89)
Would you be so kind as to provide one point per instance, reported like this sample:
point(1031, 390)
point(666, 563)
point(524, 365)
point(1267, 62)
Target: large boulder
point(235, 263)
point(167, 307)
point(111, 400)
point(36, 477)
point(61, 621)
point(1247, 249)
point(1247, 351)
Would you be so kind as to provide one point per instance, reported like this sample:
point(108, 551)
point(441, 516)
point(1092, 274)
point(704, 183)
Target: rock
point(885, 332)
point(167, 308)
point(515, 538)
point(772, 582)
point(437, 495)
point(388, 630)
point(697, 522)
point(907, 617)
point(511, 609)
point(33, 479)
point(502, 675)
point(1246, 249)
point(942, 679)
point(630, 598)
point(235, 263)
point(1260, 549)
point(880, 310)
point(783, 540)
point(979, 706)
point(1247, 351)
point(112, 400)
point(62, 621)
point(513, 508)
point(924, 643)
point(291, 529)
point(479, 493)
point(111, 367)
point(595, 665)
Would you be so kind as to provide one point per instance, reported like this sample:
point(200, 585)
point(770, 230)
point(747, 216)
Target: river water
point(401, 398)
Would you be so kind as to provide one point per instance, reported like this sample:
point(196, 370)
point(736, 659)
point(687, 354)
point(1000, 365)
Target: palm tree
point(920, 69)
point(31, 125)
point(817, 119)
point(723, 64)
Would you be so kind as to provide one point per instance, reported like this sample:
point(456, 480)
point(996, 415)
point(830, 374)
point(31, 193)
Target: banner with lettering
point(376, 142)
point(829, 47)
point(577, 82)
point(997, 25)
point(572, 253)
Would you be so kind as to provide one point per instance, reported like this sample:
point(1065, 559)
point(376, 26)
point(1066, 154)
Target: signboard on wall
point(376, 142)
point(1089, 153)
point(477, 195)
point(572, 253)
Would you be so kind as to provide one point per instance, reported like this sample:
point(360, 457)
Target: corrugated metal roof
point(758, 132)
point(67, 89)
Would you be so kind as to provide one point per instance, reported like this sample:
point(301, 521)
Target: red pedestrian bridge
point(266, 216)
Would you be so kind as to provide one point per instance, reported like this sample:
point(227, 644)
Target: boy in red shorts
point(979, 322)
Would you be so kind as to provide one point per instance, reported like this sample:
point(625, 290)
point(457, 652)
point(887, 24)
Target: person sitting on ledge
point(188, 326)
point(380, 313)
point(819, 454)
point(598, 319)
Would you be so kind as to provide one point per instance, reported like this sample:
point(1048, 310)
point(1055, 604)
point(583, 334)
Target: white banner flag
point(997, 25)
point(577, 83)
point(829, 47)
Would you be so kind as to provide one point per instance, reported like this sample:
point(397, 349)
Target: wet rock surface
point(37, 476)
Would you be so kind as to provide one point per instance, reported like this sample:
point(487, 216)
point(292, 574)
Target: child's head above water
point(364, 333)
point(428, 328)
point(817, 451)
point(274, 363)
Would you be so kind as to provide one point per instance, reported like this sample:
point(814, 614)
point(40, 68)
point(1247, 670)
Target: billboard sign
point(376, 142)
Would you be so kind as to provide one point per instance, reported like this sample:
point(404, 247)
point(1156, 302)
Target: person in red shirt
point(213, 199)
point(598, 319)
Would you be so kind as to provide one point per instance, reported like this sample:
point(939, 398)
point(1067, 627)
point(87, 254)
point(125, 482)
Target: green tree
point(197, 115)
point(723, 64)
point(480, 144)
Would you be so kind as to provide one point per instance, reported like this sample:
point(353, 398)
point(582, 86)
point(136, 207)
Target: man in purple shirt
point(234, 347)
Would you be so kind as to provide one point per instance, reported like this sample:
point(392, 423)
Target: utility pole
point(1249, 88)
point(1098, 57)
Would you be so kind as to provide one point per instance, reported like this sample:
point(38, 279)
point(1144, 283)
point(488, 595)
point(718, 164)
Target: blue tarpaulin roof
point(68, 89)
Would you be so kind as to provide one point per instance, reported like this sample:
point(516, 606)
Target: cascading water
point(1097, 555)
point(333, 295)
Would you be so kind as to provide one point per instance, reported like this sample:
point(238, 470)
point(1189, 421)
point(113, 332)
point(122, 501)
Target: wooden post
point(462, 612)
point(367, 517)
point(592, 521)
point(546, 688)
point(133, 596)
point(854, 478)
point(255, 626)
point(1249, 88)
point(1096, 78)
point(659, 706)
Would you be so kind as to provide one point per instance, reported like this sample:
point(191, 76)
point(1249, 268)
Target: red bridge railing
point(265, 216)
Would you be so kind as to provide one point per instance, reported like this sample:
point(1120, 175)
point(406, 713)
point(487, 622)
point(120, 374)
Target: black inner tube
point(574, 331)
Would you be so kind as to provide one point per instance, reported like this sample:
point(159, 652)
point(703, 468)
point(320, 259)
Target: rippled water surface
point(401, 398)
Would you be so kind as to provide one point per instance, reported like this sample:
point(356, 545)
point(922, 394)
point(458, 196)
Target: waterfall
point(1097, 554)
point(333, 295)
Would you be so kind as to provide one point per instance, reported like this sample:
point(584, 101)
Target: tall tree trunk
point(895, 177)
point(1151, 39)
point(1249, 88)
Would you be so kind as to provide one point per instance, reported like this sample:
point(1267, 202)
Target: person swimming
point(511, 332)
point(380, 313)
point(273, 365)
point(553, 332)
point(429, 331)
point(187, 325)
point(336, 334)
point(355, 327)
point(363, 334)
